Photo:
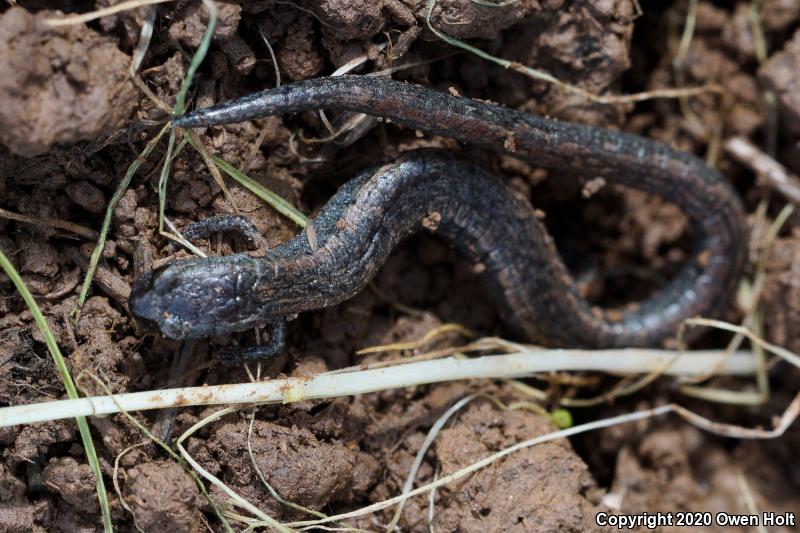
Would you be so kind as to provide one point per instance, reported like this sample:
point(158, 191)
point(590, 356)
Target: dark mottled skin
point(523, 273)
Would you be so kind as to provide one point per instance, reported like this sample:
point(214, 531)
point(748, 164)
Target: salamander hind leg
point(234, 355)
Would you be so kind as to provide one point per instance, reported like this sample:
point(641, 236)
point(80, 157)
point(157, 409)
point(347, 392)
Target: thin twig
point(773, 173)
point(113, 285)
point(77, 229)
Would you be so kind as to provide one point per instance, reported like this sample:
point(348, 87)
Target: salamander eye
point(164, 281)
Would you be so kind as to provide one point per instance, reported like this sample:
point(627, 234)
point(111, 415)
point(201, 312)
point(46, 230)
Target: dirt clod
point(16, 512)
point(87, 196)
point(301, 468)
point(782, 294)
point(74, 482)
point(359, 19)
point(546, 488)
point(584, 43)
point(36, 439)
point(191, 22)
point(782, 74)
point(465, 19)
point(58, 85)
point(299, 57)
point(680, 470)
point(161, 496)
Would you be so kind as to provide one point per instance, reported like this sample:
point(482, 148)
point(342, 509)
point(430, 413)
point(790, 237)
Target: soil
point(72, 121)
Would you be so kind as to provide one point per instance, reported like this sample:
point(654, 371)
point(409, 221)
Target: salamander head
point(199, 298)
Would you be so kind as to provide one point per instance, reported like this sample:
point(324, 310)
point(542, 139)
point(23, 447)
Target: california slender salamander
point(522, 271)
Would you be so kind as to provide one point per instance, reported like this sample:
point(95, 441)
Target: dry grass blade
point(413, 345)
point(623, 388)
point(783, 353)
point(115, 481)
point(749, 501)
point(272, 56)
point(718, 395)
point(275, 201)
point(333, 384)
point(678, 65)
point(739, 432)
point(145, 35)
point(750, 295)
point(357, 117)
point(105, 12)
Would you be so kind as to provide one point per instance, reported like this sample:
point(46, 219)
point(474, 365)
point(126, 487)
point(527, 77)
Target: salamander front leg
point(234, 355)
point(225, 223)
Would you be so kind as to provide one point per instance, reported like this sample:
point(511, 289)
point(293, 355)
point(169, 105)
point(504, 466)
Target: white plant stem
point(328, 385)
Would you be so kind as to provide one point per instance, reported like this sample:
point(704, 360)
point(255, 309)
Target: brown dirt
point(58, 85)
point(782, 293)
point(680, 469)
point(546, 487)
point(300, 467)
point(779, 74)
point(162, 497)
point(71, 122)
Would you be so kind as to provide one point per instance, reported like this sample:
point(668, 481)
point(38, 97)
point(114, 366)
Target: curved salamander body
point(474, 211)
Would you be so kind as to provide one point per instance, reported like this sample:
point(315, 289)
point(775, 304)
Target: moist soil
point(72, 121)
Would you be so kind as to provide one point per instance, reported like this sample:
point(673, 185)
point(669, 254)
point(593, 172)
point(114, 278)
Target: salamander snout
point(140, 303)
point(195, 298)
point(152, 301)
